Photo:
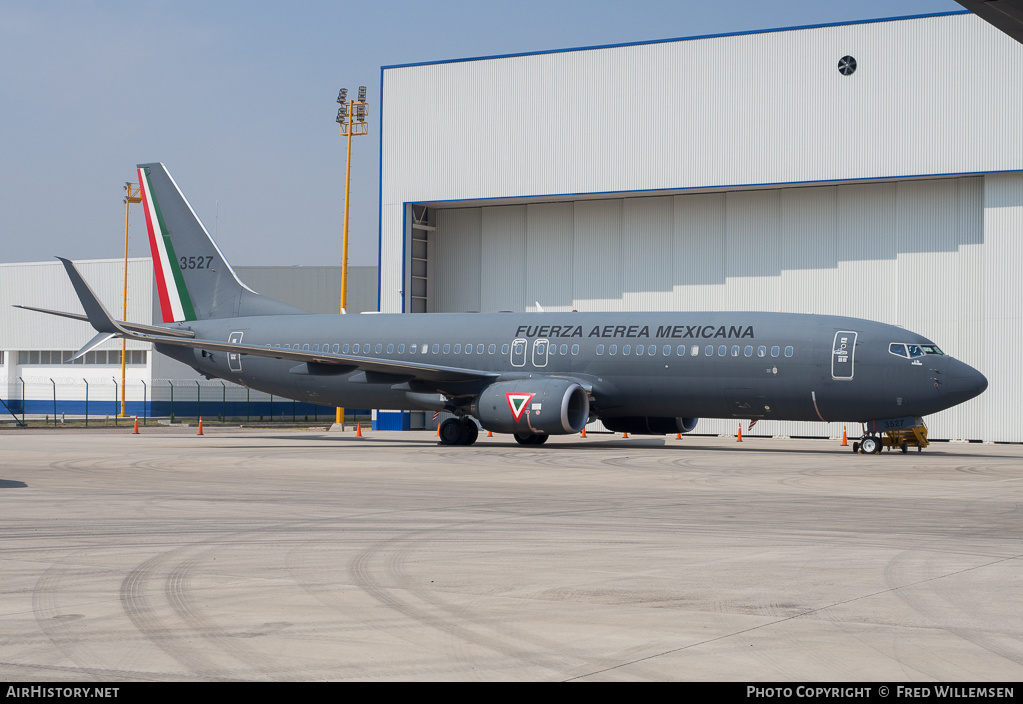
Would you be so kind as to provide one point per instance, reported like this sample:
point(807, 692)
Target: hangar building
point(871, 169)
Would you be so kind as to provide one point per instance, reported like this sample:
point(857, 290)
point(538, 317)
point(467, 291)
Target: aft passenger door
point(234, 360)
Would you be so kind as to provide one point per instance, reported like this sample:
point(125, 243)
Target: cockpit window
point(910, 350)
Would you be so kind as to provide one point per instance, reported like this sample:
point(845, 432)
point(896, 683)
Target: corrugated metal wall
point(909, 253)
point(936, 95)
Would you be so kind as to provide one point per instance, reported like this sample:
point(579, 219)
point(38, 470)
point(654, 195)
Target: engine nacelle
point(535, 406)
point(649, 425)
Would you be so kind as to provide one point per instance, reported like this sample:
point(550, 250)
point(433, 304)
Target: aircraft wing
point(386, 370)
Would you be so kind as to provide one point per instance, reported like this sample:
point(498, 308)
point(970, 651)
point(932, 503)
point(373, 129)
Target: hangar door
point(859, 249)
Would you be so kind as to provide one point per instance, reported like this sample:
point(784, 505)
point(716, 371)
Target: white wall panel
point(598, 282)
point(1003, 301)
point(700, 252)
point(503, 251)
point(453, 273)
point(647, 250)
point(549, 272)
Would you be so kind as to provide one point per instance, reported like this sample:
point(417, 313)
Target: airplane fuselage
point(691, 365)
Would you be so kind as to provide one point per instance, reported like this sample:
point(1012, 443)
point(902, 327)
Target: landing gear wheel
point(530, 439)
point(452, 432)
point(870, 445)
point(472, 431)
point(905, 448)
point(856, 448)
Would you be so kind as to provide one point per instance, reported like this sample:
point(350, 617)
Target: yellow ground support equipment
point(905, 439)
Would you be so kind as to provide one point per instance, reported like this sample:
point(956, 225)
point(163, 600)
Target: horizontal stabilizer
point(92, 344)
point(134, 327)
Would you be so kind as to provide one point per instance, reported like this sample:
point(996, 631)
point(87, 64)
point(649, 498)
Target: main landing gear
point(458, 431)
point(530, 439)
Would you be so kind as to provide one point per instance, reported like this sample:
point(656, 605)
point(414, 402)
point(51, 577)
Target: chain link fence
point(69, 399)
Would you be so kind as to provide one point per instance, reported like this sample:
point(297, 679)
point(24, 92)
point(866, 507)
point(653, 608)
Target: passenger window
point(722, 350)
point(305, 348)
point(762, 351)
point(600, 349)
point(316, 348)
point(412, 348)
point(613, 349)
point(564, 349)
point(436, 348)
point(336, 349)
point(458, 349)
point(425, 348)
point(626, 349)
point(479, 349)
point(379, 348)
point(789, 351)
point(277, 346)
point(554, 351)
point(735, 350)
point(286, 346)
point(355, 348)
point(390, 348)
point(468, 349)
point(492, 349)
point(667, 350)
point(575, 349)
point(681, 351)
point(447, 349)
point(504, 349)
point(775, 351)
point(344, 348)
point(709, 351)
point(639, 350)
point(694, 350)
point(401, 348)
point(748, 351)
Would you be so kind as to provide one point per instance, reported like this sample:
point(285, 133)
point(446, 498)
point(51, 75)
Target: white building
point(734, 172)
point(37, 378)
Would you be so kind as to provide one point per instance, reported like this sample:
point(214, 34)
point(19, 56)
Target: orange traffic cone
point(358, 430)
point(678, 436)
point(200, 426)
point(490, 433)
point(136, 431)
point(438, 430)
point(845, 439)
point(584, 432)
point(625, 435)
point(740, 433)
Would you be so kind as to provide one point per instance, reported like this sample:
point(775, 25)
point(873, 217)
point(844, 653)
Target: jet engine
point(649, 425)
point(533, 406)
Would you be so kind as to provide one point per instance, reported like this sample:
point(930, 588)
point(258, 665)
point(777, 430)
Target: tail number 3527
point(195, 262)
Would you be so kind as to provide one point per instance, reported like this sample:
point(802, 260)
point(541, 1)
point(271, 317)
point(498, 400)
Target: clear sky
point(237, 99)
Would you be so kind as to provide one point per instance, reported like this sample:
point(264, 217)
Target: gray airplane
point(529, 374)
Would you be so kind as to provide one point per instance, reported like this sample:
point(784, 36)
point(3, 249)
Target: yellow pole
point(344, 239)
point(124, 303)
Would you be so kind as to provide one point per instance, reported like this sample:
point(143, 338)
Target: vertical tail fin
point(193, 278)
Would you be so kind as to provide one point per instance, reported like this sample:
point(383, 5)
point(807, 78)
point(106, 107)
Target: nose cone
point(964, 382)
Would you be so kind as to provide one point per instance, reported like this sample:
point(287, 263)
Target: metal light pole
point(351, 117)
point(132, 194)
